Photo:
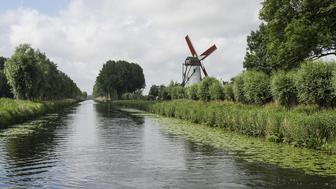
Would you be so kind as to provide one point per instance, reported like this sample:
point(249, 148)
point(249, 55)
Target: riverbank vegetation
point(302, 126)
point(16, 111)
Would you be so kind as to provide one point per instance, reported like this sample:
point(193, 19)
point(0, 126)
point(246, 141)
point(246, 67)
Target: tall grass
point(15, 111)
point(302, 126)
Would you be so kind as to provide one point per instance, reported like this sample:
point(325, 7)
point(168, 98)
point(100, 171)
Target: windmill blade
point(204, 71)
point(191, 47)
point(208, 52)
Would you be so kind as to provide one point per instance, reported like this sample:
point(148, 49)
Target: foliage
point(154, 91)
point(314, 83)
point(84, 95)
point(228, 92)
point(192, 92)
point(31, 75)
point(283, 88)
point(136, 95)
point(118, 77)
point(204, 88)
point(238, 88)
point(23, 73)
point(291, 32)
point(4, 87)
point(164, 93)
point(216, 91)
point(257, 88)
point(177, 92)
point(256, 55)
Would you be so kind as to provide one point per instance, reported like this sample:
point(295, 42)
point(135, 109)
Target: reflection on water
point(95, 146)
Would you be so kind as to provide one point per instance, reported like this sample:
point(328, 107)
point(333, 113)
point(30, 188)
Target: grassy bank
point(16, 111)
point(302, 126)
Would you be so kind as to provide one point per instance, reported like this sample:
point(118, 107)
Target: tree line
point(117, 78)
point(29, 74)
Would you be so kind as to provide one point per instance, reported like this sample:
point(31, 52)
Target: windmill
point(191, 68)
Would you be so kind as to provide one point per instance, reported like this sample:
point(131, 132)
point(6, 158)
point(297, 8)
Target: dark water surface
point(94, 146)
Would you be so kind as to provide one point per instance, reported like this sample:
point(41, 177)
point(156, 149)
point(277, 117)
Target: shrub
point(216, 91)
point(257, 87)
point(192, 92)
point(177, 92)
point(238, 88)
point(333, 82)
point(228, 92)
point(314, 83)
point(283, 88)
point(133, 96)
point(164, 93)
point(154, 91)
point(203, 88)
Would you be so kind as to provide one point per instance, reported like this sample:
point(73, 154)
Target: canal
point(92, 145)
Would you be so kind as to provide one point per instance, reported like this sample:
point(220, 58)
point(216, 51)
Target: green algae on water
point(251, 149)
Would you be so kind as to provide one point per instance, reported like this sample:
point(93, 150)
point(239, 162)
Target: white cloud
point(87, 33)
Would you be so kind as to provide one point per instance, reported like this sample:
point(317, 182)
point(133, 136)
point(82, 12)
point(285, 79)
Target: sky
point(81, 35)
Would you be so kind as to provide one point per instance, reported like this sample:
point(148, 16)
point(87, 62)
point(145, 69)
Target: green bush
point(257, 88)
point(216, 91)
point(314, 83)
point(203, 88)
point(177, 92)
point(238, 88)
point(333, 82)
point(283, 88)
point(228, 92)
point(192, 92)
point(136, 95)
point(164, 93)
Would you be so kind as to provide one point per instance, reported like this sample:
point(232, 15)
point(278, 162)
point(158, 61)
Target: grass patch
point(15, 111)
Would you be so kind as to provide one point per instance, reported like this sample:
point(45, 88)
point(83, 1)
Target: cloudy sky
point(81, 35)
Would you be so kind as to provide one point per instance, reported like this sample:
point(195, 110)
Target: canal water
point(92, 145)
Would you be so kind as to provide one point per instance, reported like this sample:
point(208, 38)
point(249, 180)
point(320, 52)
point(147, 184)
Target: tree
point(84, 95)
point(23, 73)
point(4, 87)
point(292, 31)
point(117, 78)
point(154, 91)
point(164, 93)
